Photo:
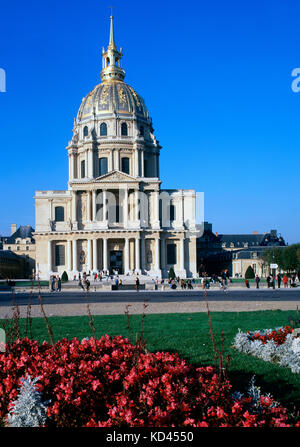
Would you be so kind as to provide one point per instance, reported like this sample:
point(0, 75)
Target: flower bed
point(110, 382)
point(278, 346)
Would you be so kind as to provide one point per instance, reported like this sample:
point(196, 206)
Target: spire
point(111, 34)
point(112, 58)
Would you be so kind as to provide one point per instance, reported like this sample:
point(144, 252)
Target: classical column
point(71, 166)
point(69, 255)
point(181, 254)
point(74, 255)
point(155, 209)
point(104, 254)
point(86, 163)
point(89, 249)
point(118, 160)
point(136, 163)
point(50, 256)
point(125, 208)
point(142, 254)
point(142, 163)
point(50, 210)
point(94, 206)
point(90, 163)
point(163, 254)
point(95, 255)
point(88, 205)
point(126, 256)
point(156, 265)
point(136, 205)
point(180, 210)
point(74, 206)
point(104, 206)
point(137, 254)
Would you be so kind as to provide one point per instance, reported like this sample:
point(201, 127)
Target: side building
point(247, 249)
point(22, 244)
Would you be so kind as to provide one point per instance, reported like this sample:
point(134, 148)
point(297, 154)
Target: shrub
point(64, 277)
point(249, 273)
point(171, 274)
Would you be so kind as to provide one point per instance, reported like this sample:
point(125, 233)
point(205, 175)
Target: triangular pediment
point(115, 176)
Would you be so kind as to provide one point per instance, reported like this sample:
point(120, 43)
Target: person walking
point(190, 284)
point(285, 280)
point(278, 280)
point(80, 283)
point(58, 284)
point(247, 283)
point(137, 283)
point(272, 281)
point(269, 281)
point(55, 283)
point(257, 280)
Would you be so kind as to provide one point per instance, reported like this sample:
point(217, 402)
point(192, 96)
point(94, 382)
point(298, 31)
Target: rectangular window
point(59, 255)
point(83, 169)
point(172, 212)
point(102, 166)
point(171, 254)
point(59, 214)
point(125, 165)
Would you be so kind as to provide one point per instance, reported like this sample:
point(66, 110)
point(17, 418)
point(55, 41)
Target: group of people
point(55, 283)
point(288, 281)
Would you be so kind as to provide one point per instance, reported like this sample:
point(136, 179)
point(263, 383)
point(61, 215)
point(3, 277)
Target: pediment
point(115, 177)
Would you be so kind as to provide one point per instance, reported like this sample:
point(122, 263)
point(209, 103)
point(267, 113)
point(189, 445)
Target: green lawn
point(188, 335)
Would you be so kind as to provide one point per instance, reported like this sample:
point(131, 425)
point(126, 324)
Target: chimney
point(255, 232)
point(217, 233)
point(13, 228)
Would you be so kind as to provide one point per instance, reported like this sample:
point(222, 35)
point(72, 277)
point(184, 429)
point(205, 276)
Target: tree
point(250, 273)
point(171, 274)
point(64, 277)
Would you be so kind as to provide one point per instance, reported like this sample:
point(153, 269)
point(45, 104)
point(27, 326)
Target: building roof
point(251, 240)
point(23, 232)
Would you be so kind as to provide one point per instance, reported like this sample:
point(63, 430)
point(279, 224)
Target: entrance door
point(116, 261)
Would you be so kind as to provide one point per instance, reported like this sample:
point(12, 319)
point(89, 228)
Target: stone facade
point(114, 215)
point(22, 243)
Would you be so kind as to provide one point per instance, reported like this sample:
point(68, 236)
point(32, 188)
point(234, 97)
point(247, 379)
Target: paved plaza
point(73, 302)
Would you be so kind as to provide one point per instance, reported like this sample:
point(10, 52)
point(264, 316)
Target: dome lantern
point(112, 58)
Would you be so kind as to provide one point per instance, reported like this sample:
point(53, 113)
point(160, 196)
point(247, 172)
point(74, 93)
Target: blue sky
point(215, 76)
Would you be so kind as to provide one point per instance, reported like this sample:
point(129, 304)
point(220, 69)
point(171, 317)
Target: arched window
point(102, 165)
point(124, 130)
point(142, 131)
point(103, 129)
point(59, 214)
point(125, 165)
point(107, 61)
point(85, 131)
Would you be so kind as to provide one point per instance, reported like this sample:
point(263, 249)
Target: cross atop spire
point(112, 58)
